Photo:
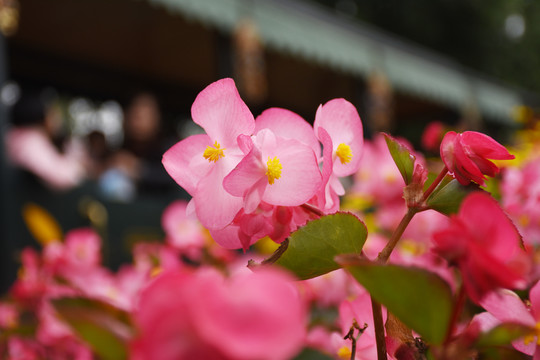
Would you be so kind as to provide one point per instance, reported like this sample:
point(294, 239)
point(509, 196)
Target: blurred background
point(92, 92)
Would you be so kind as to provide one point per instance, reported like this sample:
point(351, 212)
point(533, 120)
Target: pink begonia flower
point(485, 245)
point(200, 163)
point(339, 128)
point(331, 289)
point(281, 172)
point(217, 318)
point(276, 222)
point(58, 338)
point(246, 229)
point(466, 156)
point(149, 257)
point(505, 306)
point(19, 347)
point(382, 188)
point(31, 283)
point(341, 121)
point(359, 309)
point(183, 232)
point(433, 135)
point(520, 197)
point(80, 250)
point(9, 316)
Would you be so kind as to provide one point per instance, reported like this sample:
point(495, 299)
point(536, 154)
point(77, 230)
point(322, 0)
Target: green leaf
point(312, 354)
point(312, 248)
point(402, 157)
point(449, 195)
point(419, 298)
point(103, 327)
point(503, 334)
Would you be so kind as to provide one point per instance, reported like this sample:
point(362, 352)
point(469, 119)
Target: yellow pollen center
point(273, 169)
point(344, 353)
point(213, 153)
point(344, 153)
point(536, 333)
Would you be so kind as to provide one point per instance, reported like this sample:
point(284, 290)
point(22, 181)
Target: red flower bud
point(466, 156)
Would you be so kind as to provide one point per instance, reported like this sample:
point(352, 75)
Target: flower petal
point(178, 158)
point(506, 306)
point(222, 113)
point(300, 176)
point(248, 171)
point(534, 297)
point(485, 146)
point(215, 207)
point(288, 125)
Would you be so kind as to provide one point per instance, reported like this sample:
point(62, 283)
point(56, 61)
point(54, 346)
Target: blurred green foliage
point(472, 32)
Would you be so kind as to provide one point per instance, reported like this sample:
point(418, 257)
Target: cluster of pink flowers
point(520, 197)
point(210, 314)
point(187, 298)
point(249, 177)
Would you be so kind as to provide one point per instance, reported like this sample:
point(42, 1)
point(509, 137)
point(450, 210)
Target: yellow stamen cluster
point(535, 334)
point(344, 353)
point(213, 153)
point(273, 169)
point(344, 153)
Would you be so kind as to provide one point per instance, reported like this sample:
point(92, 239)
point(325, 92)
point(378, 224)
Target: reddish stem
point(387, 251)
point(312, 209)
point(379, 330)
point(456, 312)
point(384, 255)
point(434, 184)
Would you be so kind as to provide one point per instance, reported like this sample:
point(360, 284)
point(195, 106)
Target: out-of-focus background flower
point(94, 91)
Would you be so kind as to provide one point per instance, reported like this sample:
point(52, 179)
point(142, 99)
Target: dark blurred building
point(307, 55)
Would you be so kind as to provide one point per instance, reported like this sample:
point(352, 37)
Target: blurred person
point(34, 144)
point(99, 153)
point(136, 167)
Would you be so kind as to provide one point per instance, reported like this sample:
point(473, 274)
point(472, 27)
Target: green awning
point(312, 32)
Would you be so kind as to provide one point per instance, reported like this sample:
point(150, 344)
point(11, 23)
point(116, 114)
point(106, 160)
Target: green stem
point(384, 255)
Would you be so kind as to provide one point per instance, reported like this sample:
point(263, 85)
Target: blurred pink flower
point(433, 135)
point(19, 347)
point(183, 232)
point(485, 245)
point(359, 310)
point(9, 315)
point(520, 196)
point(506, 306)
point(466, 156)
point(217, 318)
point(378, 178)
